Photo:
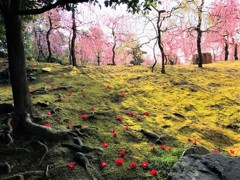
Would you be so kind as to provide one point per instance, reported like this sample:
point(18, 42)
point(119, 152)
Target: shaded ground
point(187, 102)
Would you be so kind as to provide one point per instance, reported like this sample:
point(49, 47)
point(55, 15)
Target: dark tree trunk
point(236, 52)
point(48, 39)
point(114, 47)
point(17, 66)
point(160, 45)
point(199, 35)
point(226, 51)
point(74, 31)
point(98, 59)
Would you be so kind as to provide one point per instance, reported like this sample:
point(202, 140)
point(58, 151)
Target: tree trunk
point(74, 30)
point(114, 47)
point(98, 59)
point(48, 39)
point(17, 66)
point(226, 51)
point(236, 52)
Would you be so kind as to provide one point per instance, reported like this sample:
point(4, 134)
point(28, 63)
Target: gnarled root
point(26, 175)
point(5, 134)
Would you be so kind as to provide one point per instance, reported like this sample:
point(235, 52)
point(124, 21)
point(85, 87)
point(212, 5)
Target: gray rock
point(196, 149)
point(213, 166)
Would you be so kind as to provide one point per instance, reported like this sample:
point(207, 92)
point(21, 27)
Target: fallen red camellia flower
point(169, 149)
point(119, 161)
point(112, 131)
point(70, 93)
point(104, 164)
point(71, 166)
point(144, 165)
point(62, 74)
point(232, 151)
point(133, 165)
point(47, 124)
point(108, 87)
point(84, 116)
point(163, 147)
point(215, 150)
point(104, 144)
point(146, 113)
point(93, 108)
point(139, 118)
point(195, 142)
point(122, 153)
point(131, 113)
point(52, 87)
point(153, 172)
point(68, 126)
point(49, 113)
point(114, 134)
point(123, 95)
point(118, 118)
point(126, 127)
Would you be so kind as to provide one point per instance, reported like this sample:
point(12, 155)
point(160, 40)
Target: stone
point(213, 166)
point(196, 149)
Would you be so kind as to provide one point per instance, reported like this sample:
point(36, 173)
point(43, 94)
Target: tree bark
point(226, 51)
point(199, 34)
point(17, 66)
point(48, 39)
point(114, 47)
point(74, 31)
point(236, 52)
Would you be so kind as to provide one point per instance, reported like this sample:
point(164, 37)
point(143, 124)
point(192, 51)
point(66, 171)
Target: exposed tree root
point(40, 146)
point(25, 175)
point(5, 168)
point(46, 90)
point(5, 134)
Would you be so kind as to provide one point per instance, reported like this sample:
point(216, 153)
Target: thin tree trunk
point(199, 35)
point(48, 39)
point(17, 66)
point(226, 51)
point(74, 31)
point(236, 52)
point(114, 47)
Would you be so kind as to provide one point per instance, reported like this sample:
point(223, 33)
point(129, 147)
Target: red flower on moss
point(93, 108)
point(216, 151)
point(163, 147)
point(139, 118)
point(52, 87)
point(104, 144)
point(118, 118)
point(112, 131)
point(122, 95)
point(195, 142)
point(232, 151)
point(49, 113)
point(115, 135)
point(131, 113)
point(69, 93)
point(84, 116)
point(133, 165)
point(169, 149)
point(146, 113)
point(69, 126)
point(71, 166)
point(119, 161)
point(103, 164)
point(47, 124)
point(122, 153)
point(62, 74)
point(108, 87)
point(153, 172)
point(126, 127)
point(144, 165)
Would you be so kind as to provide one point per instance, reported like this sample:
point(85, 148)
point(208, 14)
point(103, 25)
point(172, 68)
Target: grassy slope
point(208, 98)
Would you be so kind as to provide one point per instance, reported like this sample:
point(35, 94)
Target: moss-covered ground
point(201, 104)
